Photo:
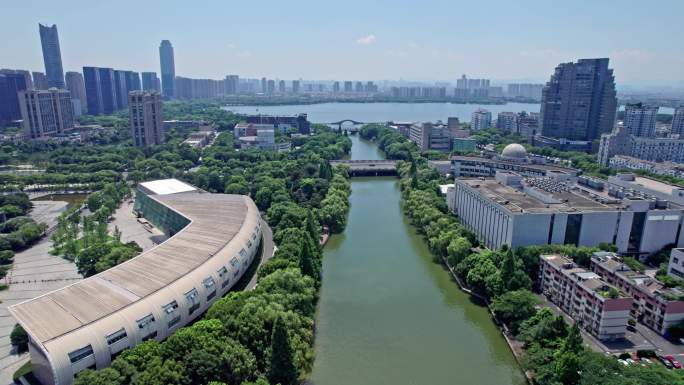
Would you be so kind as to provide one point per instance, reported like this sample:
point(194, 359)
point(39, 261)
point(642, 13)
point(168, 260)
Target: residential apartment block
point(598, 307)
point(620, 142)
point(655, 305)
point(431, 136)
point(146, 117)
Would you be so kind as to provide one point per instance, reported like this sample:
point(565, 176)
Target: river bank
point(388, 313)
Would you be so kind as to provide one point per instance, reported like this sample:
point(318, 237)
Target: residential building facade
point(150, 82)
point(620, 142)
point(10, 85)
point(40, 81)
point(146, 117)
point(507, 121)
point(480, 119)
point(640, 119)
point(596, 306)
point(678, 121)
point(655, 305)
point(76, 86)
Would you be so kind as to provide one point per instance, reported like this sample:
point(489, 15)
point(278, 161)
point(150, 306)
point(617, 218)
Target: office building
point(597, 307)
point(431, 136)
point(150, 82)
point(52, 56)
point(46, 113)
point(579, 101)
point(266, 138)
point(40, 81)
point(463, 145)
point(283, 123)
point(640, 119)
point(76, 87)
point(146, 117)
point(90, 322)
point(100, 87)
point(168, 69)
point(655, 305)
point(507, 121)
point(511, 209)
point(513, 158)
point(480, 119)
point(678, 121)
point(11, 83)
point(620, 142)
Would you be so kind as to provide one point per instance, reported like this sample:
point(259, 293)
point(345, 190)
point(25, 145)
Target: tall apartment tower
point(678, 121)
point(40, 81)
point(168, 69)
point(76, 86)
point(640, 119)
point(100, 89)
point(579, 101)
point(52, 56)
point(281, 86)
point(295, 86)
point(11, 83)
point(145, 111)
point(480, 119)
point(232, 83)
point(46, 113)
point(150, 82)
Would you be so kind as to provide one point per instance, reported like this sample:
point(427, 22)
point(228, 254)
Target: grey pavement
point(34, 272)
point(135, 229)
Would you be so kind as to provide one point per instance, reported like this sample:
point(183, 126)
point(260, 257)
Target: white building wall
point(597, 227)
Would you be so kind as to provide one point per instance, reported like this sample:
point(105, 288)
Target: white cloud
point(366, 40)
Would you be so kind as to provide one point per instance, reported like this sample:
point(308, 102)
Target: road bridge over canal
point(369, 167)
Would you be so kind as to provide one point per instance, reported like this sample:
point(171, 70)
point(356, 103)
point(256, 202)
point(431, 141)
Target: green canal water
point(388, 314)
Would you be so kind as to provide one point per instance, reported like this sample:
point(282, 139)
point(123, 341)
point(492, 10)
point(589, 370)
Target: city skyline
point(359, 41)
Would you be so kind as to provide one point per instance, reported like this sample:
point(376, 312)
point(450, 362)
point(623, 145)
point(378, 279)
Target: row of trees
point(264, 336)
point(86, 240)
point(554, 352)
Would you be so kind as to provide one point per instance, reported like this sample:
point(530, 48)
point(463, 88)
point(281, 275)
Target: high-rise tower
point(168, 69)
point(52, 56)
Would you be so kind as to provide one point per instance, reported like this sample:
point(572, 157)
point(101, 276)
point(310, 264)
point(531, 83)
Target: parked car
point(675, 363)
point(623, 362)
point(630, 361)
point(665, 362)
point(645, 360)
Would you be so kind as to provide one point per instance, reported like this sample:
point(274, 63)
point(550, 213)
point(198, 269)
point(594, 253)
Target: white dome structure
point(514, 151)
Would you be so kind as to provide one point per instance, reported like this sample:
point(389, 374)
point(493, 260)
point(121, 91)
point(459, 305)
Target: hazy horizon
point(357, 40)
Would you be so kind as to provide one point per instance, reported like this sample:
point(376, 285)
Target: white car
point(623, 362)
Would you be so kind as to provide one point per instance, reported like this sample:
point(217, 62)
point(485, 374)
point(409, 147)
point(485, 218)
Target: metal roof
point(215, 221)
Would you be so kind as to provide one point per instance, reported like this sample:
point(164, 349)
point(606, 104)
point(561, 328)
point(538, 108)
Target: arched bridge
point(352, 121)
point(368, 167)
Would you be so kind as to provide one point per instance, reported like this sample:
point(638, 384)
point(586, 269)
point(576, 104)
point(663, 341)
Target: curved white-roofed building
point(213, 240)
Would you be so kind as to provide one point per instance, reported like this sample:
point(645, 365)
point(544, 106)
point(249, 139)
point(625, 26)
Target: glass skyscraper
point(52, 55)
point(579, 102)
point(168, 69)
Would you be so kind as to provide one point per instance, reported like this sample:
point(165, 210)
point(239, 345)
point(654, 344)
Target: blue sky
point(352, 39)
